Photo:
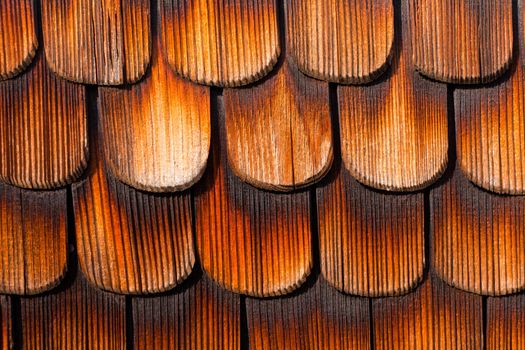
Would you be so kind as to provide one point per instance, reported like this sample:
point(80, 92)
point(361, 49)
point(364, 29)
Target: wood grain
point(462, 41)
point(342, 41)
point(394, 133)
point(506, 323)
point(371, 243)
point(76, 317)
point(6, 339)
point(129, 241)
point(250, 241)
point(105, 42)
point(278, 132)
point(43, 132)
point(18, 42)
point(477, 238)
point(435, 316)
point(222, 43)
point(33, 240)
point(156, 134)
point(202, 316)
point(318, 318)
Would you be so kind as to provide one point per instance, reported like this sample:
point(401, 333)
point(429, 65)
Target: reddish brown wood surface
point(318, 318)
point(104, 42)
point(477, 238)
point(339, 40)
point(201, 316)
point(223, 43)
point(43, 131)
point(278, 132)
point(33, 240)
point(6, 340)
point(156, 134)
point(18, 42)
point(506, 323)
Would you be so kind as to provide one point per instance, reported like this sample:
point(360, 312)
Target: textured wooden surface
point(18, 42)
point(477, 238)
point(223, 43)
point(33, 240)
point(6, 341)
point(202, 316)
point(43, 132)
point(78, 317)
point(371, 243)
point(278, 132)
point(345, 41)
point(462, 41)
point(318, 318)
point(156, 134)
point(506, 323)
point(435, 316)
point(129, 241)
point(250, 241)
point(105, 42)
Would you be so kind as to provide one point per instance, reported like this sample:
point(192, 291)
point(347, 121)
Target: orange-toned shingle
point(33, 240)
point(371, 243)
point(223, 43)
point(506, 323)
point(278, 132)
point(477, 238)
point(43, 131)
point(6, 341)
point(104, 42)
point(201, 316)
point(156, 134)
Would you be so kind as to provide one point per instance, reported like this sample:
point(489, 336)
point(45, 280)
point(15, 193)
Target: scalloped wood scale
point(18, 42)
point(200, 316)
point(342, 41)
point(435, 316)
point(130, 241)
point(222, 43)
point(250, 241)
point(156, 134)
point(6, 330)
point(79, 316)
point(506, 323)
point(394, 133)
point(105, 42)
point(462, 41)
point(279, 132)
point(33, 240)
point(317, 318)
point(477, 238)
point(43, 131)
point(371, 243)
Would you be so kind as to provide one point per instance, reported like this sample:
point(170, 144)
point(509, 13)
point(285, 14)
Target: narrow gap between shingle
point(130, 340)
point(371, 323)
point(72, 259)
point(484, 320)
point(244, 324)
point(16, 319)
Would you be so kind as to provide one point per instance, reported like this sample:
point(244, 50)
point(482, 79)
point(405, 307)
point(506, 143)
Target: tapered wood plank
point(278, 132)
point(250, 241)
point(33, 240)
point(371, 243)
point(156, 134)
point(43, 132)
point(394, 133)
point(78, 316)
point(435, 316)
point(201, 316)
point(222, 43)
point(130, 241)
point(506, 323)
point(462, 41)
point(105, 42)
point(318, 318)
point(339, 40)
point(477, 238)
point(18, 42)
point(6, 339)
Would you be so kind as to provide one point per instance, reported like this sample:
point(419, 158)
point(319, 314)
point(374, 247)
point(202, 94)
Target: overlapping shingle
point(506, 323)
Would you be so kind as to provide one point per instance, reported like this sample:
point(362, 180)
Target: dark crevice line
point(130, 340)
point(16, 319)
point(314, 231)
point(245, 341)
point(371, 323)
point(484, 320)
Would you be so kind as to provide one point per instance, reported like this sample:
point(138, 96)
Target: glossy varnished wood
point(278, 132)
point(223, 43)
point(33, 240)
point(506, 323)
point(6, 330)
point(104, 42)
point(43, 131)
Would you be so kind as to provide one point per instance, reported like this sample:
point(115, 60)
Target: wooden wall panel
point(223, 43)
point(6, 340)
point(506, 323)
